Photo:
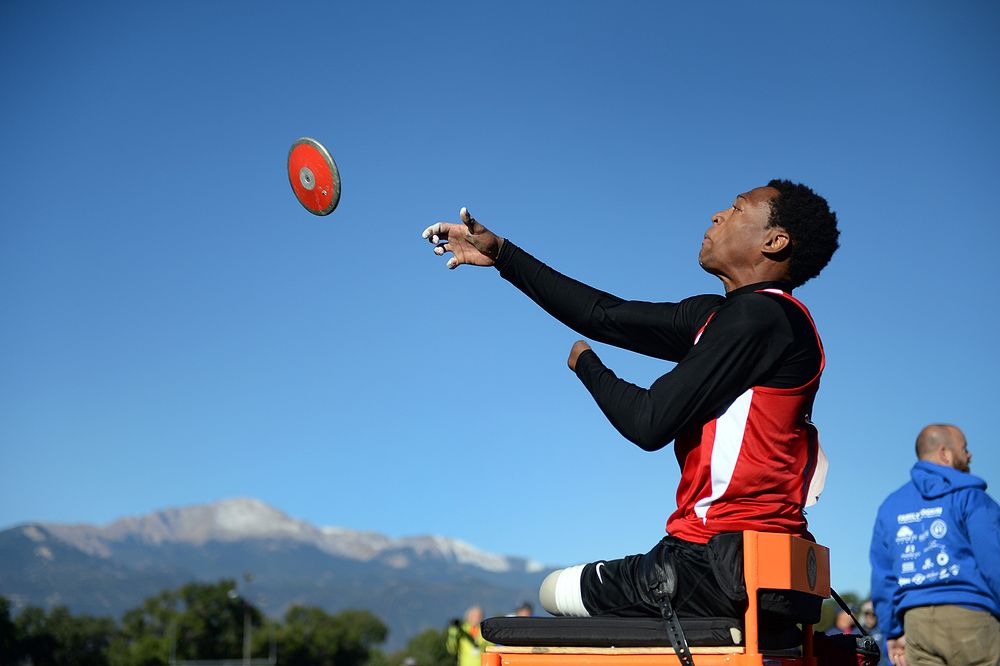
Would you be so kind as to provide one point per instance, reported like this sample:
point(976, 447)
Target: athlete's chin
point(705, 261)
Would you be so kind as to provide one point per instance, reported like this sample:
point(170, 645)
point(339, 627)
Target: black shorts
point(708, 580)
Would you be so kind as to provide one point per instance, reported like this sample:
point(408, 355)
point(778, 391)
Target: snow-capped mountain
point(412, 583)
point(246, 518)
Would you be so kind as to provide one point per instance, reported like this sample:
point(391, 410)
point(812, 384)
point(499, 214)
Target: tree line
point(202, 621)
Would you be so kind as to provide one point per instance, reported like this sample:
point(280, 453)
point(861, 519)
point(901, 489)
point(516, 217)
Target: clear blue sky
point(177, 329)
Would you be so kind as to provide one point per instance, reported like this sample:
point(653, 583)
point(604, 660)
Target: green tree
point(198, 621)
point(81, 640)
point(426, 648)
point(379, 658)
point(60, 638)
point(263, 636)
point(34, 641)
point(146, 632)
point(360, 631)
point(312, 637)
point(211, 625)
point(8, 634)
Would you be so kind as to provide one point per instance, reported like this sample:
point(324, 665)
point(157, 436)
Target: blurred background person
point(869, 621)
point(844, 624)
point(465, 639)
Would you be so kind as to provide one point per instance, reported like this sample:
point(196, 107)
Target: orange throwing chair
point(771, 562)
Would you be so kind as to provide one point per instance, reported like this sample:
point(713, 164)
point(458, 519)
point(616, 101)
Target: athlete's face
point(734, 241)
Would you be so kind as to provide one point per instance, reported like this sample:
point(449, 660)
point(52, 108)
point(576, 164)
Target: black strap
point(675, 632)
point(462, 633)
point(847, 609)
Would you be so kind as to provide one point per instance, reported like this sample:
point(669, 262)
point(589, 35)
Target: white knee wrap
point(560, 592)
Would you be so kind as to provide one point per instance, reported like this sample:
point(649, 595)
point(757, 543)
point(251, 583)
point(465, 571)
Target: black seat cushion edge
point(608, 631)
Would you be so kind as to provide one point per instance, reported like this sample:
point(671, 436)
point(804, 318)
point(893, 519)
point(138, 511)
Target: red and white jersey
point(753, 467)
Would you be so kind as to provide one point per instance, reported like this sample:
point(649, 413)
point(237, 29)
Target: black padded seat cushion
point(608, 631)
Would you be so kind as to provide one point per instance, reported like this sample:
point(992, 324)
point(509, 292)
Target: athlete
point(737, 405)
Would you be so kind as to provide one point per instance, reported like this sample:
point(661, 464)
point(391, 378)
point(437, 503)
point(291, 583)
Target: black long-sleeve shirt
point(755, 339)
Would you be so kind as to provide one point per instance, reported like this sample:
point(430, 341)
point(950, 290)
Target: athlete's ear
point(776, 243)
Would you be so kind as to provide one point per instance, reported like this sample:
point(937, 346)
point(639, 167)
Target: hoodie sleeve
point(983, 524)
point(884, 581)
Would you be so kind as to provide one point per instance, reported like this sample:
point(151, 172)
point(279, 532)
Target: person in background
point(935, 556)
point(869, 621)
point(524, 610)
point(843, 624)
point(465, 639)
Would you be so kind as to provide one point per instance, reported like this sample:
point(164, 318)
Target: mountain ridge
point(241, 518)
point(412, 583)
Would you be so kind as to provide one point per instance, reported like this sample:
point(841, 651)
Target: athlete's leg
point(623, 587)
point(606, 587)
point(560, 593)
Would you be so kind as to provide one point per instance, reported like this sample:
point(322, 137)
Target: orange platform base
point(770, 561)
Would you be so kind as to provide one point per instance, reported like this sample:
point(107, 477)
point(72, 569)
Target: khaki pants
point(951, 635)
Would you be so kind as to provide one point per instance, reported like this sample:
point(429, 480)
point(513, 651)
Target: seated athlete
point(737, 405)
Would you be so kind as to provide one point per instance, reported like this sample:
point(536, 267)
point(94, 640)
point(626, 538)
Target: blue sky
point(177, 329)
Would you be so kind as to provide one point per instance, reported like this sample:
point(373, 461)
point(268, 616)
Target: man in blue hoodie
point(935, 558)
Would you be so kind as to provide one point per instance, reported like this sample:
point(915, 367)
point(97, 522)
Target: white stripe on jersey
point(729, 430)
point(818, 480)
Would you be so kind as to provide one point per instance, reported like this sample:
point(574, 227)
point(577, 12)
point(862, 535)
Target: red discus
point(314, 176)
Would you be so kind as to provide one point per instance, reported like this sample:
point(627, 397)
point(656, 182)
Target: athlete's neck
point(757, 286)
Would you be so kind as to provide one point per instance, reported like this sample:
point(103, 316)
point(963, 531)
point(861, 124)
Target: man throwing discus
point(737, 405)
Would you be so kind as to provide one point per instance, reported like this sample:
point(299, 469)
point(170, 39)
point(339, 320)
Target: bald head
point(474, 615)
point(944, 444)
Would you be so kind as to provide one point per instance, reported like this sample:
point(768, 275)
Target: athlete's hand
point(579, 347)
point(469, 242)
point(896, 647)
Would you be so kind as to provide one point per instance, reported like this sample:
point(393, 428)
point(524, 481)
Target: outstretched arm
point(660, 330)
point(737, 350)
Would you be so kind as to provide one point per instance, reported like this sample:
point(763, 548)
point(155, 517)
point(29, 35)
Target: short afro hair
point(811, 227)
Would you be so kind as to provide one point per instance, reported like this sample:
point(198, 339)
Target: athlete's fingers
point(441, 249)
point(467, 219)
point(436, 232)
point(452, 263)
point(431, 230)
